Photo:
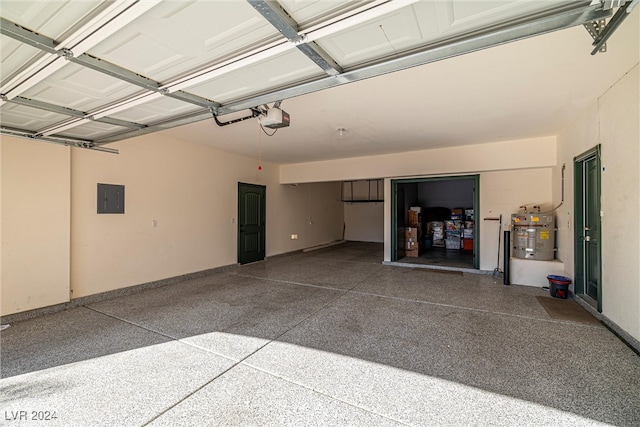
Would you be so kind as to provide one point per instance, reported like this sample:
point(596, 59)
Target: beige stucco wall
point(35, 224)
point(191, 192)
point(364, 222)
point(614, 122)
point(620, 139)
point(54, 242)
point(518, 154)
point(503, 192)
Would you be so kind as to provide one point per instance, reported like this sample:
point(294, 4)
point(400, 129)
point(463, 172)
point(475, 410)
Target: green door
point(251, 222)
point(588, 248)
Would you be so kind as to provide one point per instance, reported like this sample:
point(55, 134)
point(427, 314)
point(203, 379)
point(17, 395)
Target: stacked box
point(454, 234)
point(453, 244)
point(468, 214)
point(436, 228)
point(467, 234)
point(413, 233)
point(454, 237)
point(453, 224)
point(412, 236)
point(415, 216)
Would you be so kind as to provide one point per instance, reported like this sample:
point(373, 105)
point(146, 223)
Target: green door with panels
point(588, 225)
point(251, 222)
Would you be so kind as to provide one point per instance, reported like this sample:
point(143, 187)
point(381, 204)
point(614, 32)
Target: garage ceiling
point(90, 73)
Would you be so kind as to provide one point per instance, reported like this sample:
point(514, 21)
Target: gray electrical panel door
point(110, 199)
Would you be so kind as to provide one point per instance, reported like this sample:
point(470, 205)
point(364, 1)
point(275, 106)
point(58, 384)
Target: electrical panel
point(110, 199)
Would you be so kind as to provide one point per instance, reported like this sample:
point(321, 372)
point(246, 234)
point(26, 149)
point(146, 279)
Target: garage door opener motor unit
point(275, 118)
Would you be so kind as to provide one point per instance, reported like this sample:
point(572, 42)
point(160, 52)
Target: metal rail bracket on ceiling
point(369, 198)
point(504, 33)
point(66, 141)
point(288, 27)
point(601, 31)
point(535, 24)
point(594, 28)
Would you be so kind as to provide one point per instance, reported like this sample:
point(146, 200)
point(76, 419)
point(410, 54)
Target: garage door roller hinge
point(594, 28)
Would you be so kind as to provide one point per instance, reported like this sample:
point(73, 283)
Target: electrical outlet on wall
point(294, 237)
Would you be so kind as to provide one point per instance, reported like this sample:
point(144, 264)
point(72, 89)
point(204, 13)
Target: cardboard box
point(415, 218)
point(453, 234)
point(412, 233)
point(435, 227)
point(457, 211)
point(414, 253)
point(411, 245)
point(453, 225)
point(452, 244)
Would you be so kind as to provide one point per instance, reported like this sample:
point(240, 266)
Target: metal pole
point(507, 256)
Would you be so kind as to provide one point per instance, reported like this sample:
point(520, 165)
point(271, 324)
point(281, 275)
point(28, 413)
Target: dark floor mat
point(565, 309)
point(435, 270)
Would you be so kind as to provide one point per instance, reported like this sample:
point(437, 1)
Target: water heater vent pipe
point(561, 201)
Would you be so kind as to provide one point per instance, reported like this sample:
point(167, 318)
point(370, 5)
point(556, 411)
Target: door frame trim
point(476, 212)
point(578, 221)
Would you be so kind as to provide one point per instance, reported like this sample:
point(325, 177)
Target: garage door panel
point(28, 118)
point(49, 18)
point(176, 37)
point(80, 88)
point(277, 71)
point(91, 131)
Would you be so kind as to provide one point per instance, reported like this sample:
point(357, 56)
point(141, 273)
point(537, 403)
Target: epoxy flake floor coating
point(329, 337)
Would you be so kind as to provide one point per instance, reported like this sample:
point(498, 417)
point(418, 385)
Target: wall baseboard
point(624, 336)
point(90, 299)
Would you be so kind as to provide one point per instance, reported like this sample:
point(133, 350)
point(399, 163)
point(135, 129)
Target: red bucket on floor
point(559, 286)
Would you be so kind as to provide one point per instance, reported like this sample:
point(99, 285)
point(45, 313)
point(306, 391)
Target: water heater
point(533, 236)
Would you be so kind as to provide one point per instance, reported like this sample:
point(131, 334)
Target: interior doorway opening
point(434, 221)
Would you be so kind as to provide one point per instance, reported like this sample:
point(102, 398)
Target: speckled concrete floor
point(330, 337)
